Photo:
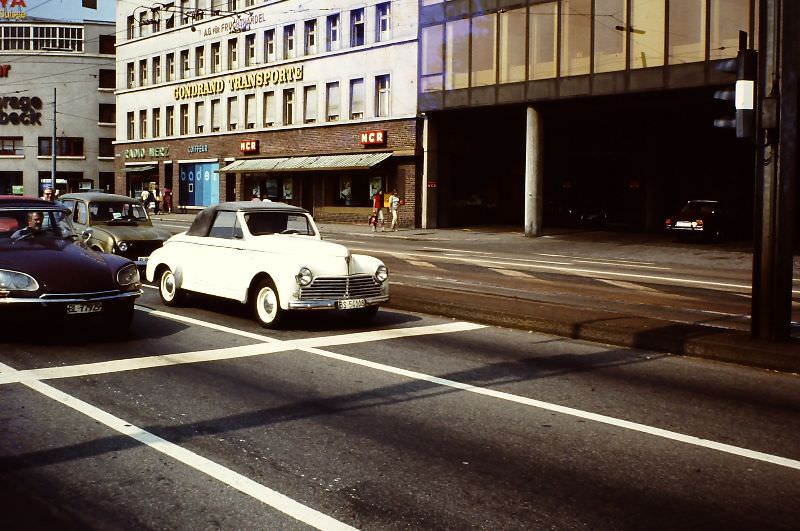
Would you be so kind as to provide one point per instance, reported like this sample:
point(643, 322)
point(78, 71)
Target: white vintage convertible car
point(268, 255)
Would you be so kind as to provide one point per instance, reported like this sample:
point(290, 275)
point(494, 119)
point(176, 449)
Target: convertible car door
point(221, 261)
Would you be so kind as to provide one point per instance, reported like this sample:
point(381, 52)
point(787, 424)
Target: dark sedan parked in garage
point(118, 224)
point(46, 269)
point(701, 218)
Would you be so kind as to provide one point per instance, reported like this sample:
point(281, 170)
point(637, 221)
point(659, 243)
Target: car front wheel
point(266, 304)
point(168, 289)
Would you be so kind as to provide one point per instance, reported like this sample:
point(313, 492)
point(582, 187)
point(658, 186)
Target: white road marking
point(421, 263)
point(511, 272)
point(243, 484)
point(626, 285)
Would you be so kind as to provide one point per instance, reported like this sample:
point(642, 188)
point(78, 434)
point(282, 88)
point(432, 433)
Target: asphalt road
point(199, 419)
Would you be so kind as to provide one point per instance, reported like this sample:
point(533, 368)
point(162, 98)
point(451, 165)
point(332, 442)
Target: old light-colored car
point(271, 256)
point(118, 224)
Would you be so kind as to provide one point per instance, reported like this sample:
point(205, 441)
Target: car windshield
point(697, 208)
point(116, 212)
point(260, 223)
point(19, 223)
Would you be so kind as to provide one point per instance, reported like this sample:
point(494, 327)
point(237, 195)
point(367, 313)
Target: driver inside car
point(35, 220)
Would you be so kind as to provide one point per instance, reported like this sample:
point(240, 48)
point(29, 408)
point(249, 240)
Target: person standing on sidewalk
point(167, 196)
point(394, 204)
point(377, 210)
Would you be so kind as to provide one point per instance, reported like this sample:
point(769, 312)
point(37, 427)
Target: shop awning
point(129, 169)
point(356, 161)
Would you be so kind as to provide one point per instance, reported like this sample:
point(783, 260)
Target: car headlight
point(123, 246)
point(128, 276)
point(304, 276)
point(381, 274)
point(14, 280)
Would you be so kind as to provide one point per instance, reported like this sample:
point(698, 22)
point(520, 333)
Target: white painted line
point(420, 263)
point(547, 406)
point(243, 484)
point(511, 272)
point(614, 260)
point(626, 285)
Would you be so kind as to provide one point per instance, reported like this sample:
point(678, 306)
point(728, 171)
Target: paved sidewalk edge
point(601, 326)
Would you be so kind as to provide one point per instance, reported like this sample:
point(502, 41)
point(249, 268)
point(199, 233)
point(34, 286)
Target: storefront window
point(542, 41)
point(610, 22)
point(727, 18)
point(687, 29)
point(576, 24)
point(484, 51)
point(512, 45)
point(457, 54)
point(345, 190)
point(647, 33)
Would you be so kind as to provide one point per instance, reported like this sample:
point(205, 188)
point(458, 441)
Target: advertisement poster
point(199, 184)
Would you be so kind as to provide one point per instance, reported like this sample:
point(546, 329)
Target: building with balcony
point(299, 102)
point(71, 63)
point(571, 110)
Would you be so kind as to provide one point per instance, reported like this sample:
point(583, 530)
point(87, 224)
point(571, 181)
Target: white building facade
point(73, 64)
point(299, 102)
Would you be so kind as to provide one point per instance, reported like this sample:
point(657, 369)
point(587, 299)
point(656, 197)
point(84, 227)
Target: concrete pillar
point(430, 183)
point(534, 175)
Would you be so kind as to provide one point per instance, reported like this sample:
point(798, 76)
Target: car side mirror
point(86, 235)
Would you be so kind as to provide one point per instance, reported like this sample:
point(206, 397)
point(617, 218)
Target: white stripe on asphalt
point(511, 272)
point(243, 484)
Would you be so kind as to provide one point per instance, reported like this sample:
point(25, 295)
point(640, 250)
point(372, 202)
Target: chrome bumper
point(48, 300)
point(330, 304)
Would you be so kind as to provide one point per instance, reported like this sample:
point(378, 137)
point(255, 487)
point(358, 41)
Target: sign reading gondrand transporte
point(262, 78)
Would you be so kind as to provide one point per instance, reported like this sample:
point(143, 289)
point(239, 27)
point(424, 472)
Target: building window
point(288, 107)
point(13, 145)
point(170, 121)
point(250, 49)
point(233, 113)
point(609, 37)
point(106, 79)
point(382, 95)
point(333, 100)
point(231, 5)
point(457, 56)
point(131, 27)
point(383, 22)
point(169, 9)
point(107, 113)
point(687, 31)
point(216, 58)
point(105, 147)
point(143, 72)
point(269, 109)
point(216, 121)
point(233, 63)
point(184, 118)
point(511, 43)
point(576, 26)
point(310, 104)
point(357, 27)
point(184, 72)
point(107, 44)
point(250, 111)
point(184, 8)
point(60, 38)
point(170, 73)
point(356, 99)
point(142, 124)
point(310, 41)
point(131, 77)
point(543, 41)
point(332, 33)
point(156, 70)
point(199, 117)
point(484, 51)
point(646, 31)
point(131, 126)
point(269, 45)
point(199, 60)
point(66, 146)
point(432, 58)
point(156, 122)
point(288, 42)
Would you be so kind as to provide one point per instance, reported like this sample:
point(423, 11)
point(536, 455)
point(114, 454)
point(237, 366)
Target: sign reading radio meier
point(262, 78)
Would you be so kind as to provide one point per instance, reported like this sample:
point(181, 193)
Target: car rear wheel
point(168, 289)
point(266, 304)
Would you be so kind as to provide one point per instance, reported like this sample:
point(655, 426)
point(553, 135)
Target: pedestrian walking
point(48, 194)
point(394, 204)
point(377, 211)
point(167, 198)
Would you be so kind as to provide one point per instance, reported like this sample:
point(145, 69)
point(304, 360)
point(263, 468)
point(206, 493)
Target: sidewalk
point(569, 321)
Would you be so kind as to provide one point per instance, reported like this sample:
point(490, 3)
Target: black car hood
point(62, 266)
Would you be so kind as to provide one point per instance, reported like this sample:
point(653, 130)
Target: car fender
point(362, 263)
point(102, 240)
point(282, 275)
point(161, 257)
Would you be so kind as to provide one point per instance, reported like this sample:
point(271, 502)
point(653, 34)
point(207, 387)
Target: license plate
point(87, 307)
point(350, 304)
point(142, 259)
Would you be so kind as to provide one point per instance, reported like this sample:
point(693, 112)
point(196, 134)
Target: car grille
point(353, 287)
point(140, 248)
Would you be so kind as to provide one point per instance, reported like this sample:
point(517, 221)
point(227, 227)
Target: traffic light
point(743, 94)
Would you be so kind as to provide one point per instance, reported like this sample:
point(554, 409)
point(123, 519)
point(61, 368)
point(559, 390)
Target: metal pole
point(53, 148)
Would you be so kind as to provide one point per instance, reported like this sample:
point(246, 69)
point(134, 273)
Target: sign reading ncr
point(369, 138)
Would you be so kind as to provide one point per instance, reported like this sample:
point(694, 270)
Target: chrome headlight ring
point(128, 276)
point(381, 274)
point(304, 277)
point(16, 281)
point(122, 246)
